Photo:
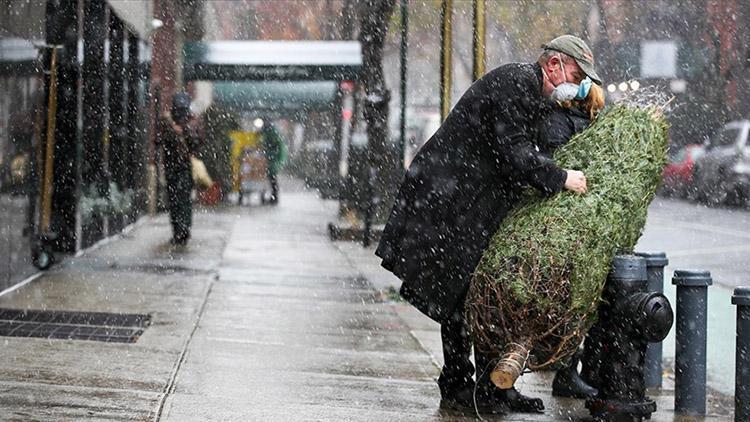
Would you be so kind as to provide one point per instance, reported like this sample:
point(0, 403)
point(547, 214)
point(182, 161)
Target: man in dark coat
point(179, 142)
point(456, 192)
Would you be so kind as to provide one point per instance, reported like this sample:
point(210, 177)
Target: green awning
point(275, 95)
point(273, 60)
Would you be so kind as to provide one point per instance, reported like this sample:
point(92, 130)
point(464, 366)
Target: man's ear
point(553, 62)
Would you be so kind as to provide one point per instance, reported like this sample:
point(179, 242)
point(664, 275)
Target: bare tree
point(374, 16)
point(347, 19)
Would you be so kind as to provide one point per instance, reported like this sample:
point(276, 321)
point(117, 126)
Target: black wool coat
point(177, 150)
point(461, 185)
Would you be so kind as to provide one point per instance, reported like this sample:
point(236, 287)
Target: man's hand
point(576, 181)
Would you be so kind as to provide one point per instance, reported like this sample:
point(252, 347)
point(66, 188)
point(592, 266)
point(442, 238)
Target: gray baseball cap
point(578, 50)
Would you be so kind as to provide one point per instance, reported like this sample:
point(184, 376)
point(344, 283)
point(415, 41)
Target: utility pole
point(374, 16)
point(446, 57)
point(478, 43)
point(402, 85)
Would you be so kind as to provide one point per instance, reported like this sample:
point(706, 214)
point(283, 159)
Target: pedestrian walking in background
point(274, 149)
point(458, 189)
point(179, 141)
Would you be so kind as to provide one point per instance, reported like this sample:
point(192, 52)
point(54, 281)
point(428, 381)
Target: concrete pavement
point(260, 317)
point(290, 331)
point(15, 259)
point(137, 273)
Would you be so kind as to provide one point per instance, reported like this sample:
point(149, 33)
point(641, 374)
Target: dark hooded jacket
point(462, 183)
point(561, 124)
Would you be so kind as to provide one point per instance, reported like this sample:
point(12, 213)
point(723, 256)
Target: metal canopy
point(136, 14)
point(18, 57)
point(275, 95)
point(273, 60)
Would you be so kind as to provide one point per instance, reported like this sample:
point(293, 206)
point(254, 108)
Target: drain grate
point(73, 325)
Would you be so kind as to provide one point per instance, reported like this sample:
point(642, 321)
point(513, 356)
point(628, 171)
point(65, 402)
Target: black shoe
point(513, 401)
point(568, 383)
point(463, 402)
point(179, 241)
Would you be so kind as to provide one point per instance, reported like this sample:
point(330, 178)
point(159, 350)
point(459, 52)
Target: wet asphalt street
point(260, 317)
point(715, 239)
point(695, 236)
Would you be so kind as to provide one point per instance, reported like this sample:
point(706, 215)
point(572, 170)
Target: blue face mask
point(583, 88)
point(568, 91)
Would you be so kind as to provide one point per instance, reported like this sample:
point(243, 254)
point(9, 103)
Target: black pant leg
point(485, 364)
point(457, 370)
point(172, 203)
point(272, 178)
point(179, 187)
point(188, 202)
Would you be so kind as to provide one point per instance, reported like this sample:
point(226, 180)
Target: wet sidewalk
point(260, 317)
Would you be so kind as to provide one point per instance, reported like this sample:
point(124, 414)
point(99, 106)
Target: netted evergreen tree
point(535, 292)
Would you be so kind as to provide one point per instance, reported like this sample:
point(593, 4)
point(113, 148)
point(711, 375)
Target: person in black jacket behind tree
point(567, 119)
point(458, 189)
point(178, 141)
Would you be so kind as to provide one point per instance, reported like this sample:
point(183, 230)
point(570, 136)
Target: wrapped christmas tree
point(535, 292)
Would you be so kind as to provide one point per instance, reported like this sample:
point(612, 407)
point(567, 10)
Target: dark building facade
point(73, 84)
point(710, 56)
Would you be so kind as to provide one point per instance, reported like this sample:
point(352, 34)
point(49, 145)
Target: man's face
point(559, 71)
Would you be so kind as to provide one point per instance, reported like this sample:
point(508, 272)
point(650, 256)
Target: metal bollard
point(655, 263)
point(690, 354)
point(741, 298)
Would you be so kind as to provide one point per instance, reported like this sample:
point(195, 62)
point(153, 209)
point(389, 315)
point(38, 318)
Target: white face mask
point(566, 91)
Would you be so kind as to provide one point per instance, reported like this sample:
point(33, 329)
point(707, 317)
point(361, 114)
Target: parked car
point(677, 178)
point(722, 173)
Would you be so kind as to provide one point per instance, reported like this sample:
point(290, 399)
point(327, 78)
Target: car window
point(695, 153)
point(725, 138)
point(679, 156)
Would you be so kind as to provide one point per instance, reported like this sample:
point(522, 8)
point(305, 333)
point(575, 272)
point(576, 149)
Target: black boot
point(517, 402)
point(463, 401)
point(568, 383)
point(511, 400)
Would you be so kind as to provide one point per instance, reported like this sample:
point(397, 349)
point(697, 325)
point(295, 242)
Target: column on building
point(62, 29)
